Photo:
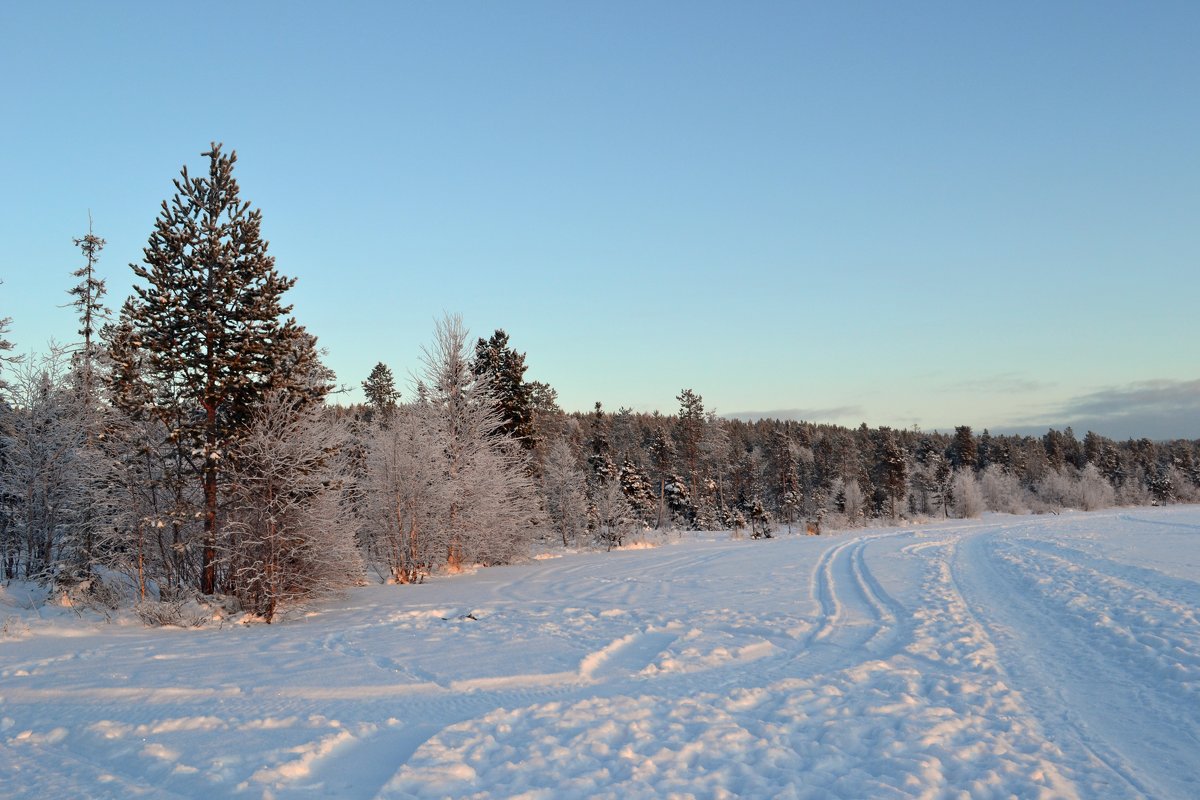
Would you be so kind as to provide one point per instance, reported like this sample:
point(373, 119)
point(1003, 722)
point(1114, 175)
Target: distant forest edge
point(184, 448)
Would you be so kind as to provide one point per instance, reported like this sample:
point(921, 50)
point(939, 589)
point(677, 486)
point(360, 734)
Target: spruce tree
point(88, 301)
point(504, 368)
point(211, 328)
point(963, 452)
point(6, 347)
point(380, 389)
point(88, 297)
point(689, 430)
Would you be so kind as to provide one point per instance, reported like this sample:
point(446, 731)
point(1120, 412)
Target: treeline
point(186, 442)
point(696, 470)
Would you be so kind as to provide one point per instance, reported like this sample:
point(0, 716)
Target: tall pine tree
point(89, 295)
point(211, 328)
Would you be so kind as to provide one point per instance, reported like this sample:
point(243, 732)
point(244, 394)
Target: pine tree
point(6, 347)
point(636, 486)
point(88, 301)
point(689, 430)
point(662, 454)
point(211, 328)
point(785, 464)
point(504, 368)
point(380, 390)
point(963, 452)
point(890, 472)
point(505, 371)
point(89, 295)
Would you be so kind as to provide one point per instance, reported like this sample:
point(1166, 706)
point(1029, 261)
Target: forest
point(189, 445)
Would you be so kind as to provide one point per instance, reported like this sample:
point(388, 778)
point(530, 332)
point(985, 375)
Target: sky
point(904, 214)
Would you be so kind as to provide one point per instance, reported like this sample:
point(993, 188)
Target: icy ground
point(1014, 656)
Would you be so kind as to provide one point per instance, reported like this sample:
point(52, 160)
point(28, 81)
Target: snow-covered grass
point(1013, 656)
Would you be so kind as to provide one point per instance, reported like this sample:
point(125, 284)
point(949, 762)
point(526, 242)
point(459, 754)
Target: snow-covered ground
point(1013, 656)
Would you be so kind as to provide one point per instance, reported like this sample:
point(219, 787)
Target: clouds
point(1008, 383)
point(1156, 409)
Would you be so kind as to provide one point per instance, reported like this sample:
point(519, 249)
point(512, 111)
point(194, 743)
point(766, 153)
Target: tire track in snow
point(855, 613)
point(1090, 713)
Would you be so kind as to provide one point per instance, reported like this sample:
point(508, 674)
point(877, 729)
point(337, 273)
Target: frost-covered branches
point(41, 474)
point(445, 486)
point(290, 537)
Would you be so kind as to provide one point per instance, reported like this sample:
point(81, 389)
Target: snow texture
point(1008, 657)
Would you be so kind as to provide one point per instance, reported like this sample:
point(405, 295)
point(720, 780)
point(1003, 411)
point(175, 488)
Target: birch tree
point(290, 536)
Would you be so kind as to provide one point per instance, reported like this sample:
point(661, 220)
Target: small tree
point(491, 497)
point(1094, 489)
point(404, 491)
point(40, 477)
point(1002, 491)
point(613, 518)
point(968, 497)
point(380, 390)
point(689, 432)
point(88, 300)
point(564, 489)
point(291, 540)
point(636, 486)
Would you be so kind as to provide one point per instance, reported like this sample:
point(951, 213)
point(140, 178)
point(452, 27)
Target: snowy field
point(1013, 656)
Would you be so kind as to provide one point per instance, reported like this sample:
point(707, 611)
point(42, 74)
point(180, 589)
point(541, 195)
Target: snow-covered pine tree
point(636, 486)
point(892, 469)
point(662, 456)
point(679, 500)
point(786, 479)
point(689, 429)
point(88, 300)
point(380, 390)
point(504, 369)
point(941, 483)
point(6, 347)
point(963, 452)
point(212, 329)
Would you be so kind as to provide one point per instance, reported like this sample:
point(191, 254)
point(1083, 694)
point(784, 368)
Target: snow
point(1010, 656)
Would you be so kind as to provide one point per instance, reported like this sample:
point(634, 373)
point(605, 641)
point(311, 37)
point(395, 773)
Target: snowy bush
point(1094, 490)
point(1002, 491)
point(968, 496)
point(172, 613)
point(14, 627)
point(564, 493)
point(291, 538)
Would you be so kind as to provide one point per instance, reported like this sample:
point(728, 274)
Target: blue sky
point(899, 213)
